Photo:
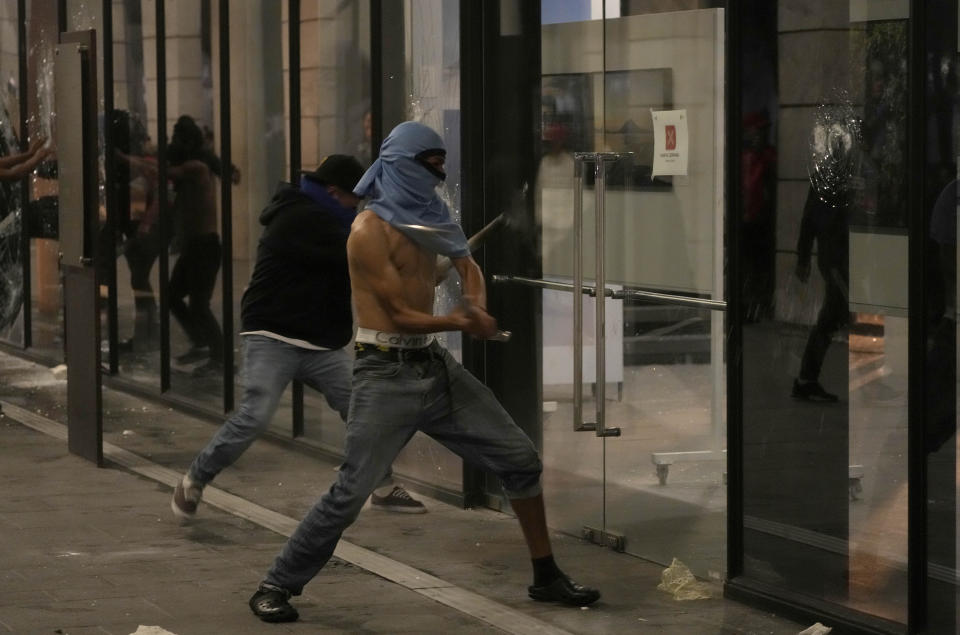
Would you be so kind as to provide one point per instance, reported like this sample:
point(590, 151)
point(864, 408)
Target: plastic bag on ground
point(678, 580)
point(816, 629)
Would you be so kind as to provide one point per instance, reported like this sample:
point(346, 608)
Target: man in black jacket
point(296, 320)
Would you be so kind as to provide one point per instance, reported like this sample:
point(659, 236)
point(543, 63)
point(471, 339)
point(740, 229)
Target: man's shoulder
point(367, 232)
point(367, 224)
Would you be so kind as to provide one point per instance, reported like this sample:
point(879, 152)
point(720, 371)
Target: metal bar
point(376, 77)
point(735, 17)
point(666, 298)
point(110, 192)
point(551, 284)
point(618, 294)
point(226, 208)
point(164, 224)
point(600, 223)
point(578, 422)
point(293, 37)
point(293, 55)
point(27, 305)
point(917, 332)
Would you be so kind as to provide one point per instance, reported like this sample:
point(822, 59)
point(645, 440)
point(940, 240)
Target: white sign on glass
point(670, 143)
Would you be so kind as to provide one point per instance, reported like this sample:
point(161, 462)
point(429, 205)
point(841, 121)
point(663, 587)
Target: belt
point(393, 354)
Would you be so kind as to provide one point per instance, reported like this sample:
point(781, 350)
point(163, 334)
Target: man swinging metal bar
point(404, 381)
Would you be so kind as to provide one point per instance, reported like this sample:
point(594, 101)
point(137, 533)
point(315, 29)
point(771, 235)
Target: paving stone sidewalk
point(87, 550)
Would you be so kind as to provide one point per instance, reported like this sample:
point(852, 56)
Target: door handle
point(599, 161)
point(600, 221)
point(579, 425)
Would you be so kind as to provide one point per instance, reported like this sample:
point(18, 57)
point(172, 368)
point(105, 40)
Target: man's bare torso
point(415, 268)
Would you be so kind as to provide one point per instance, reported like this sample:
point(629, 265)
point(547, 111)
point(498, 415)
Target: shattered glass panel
point(11, 267)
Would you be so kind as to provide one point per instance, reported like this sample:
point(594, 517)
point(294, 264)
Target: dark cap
point(340, 170)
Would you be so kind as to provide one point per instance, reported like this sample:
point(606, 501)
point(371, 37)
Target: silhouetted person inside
point(825, 221)
point(135, 198)
point(192, 170)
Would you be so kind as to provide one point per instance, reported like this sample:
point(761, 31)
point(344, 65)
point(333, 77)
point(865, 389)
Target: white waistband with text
point(393, 340)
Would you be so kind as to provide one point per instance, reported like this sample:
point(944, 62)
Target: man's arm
point(13, 159)
point(17, 166)
point(474, 287)
point(475, 297)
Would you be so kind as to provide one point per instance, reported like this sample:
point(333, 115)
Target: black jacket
point(300, 287)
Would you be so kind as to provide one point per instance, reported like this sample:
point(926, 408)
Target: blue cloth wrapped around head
point(402, 191)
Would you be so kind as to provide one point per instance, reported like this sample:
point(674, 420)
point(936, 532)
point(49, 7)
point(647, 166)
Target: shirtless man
point(405, 381)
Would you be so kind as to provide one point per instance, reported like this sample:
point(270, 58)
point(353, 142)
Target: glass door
point(825, 253)
point(629, 205)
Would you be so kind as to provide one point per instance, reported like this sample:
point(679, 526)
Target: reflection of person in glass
point(825, 221)
point(13, 168)
point(135, 196)
point(192, 170)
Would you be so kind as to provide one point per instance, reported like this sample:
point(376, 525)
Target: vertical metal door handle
point(600, 183)
point(578, 423)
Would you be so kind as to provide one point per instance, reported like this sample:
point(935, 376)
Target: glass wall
point(11, 213)
point(259, 147)
point(195, 172)
point(46, 334)
point(941, 120)
point(609, 72)
point(824, 257)
point(335, 118)
point(135, 198)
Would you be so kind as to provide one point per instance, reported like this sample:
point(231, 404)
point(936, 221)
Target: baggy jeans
point(269, 366)
point(391, 400)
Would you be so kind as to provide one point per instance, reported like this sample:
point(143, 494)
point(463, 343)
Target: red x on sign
point(671, 137)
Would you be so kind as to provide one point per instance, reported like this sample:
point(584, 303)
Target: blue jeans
point(392, 400)
point(269, 366)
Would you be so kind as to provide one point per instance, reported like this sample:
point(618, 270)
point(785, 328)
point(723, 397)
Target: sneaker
point(195, 354)
point(186, 497)
point(812, 391)
point(270, 604)
point(398, 500)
